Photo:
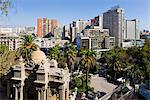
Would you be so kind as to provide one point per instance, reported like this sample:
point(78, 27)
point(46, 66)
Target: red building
point(39, 27)
point(45, 26)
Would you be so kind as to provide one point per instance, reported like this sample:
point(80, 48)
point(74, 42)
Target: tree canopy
point(27, 46)
point(133, 62)
point(4, 6)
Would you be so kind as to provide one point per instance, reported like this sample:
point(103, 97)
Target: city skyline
point(26, 12)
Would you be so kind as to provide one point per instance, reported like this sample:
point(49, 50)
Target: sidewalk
point(101, 84)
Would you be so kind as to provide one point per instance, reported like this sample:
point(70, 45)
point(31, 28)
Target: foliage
point(146, 59)
point(114, 60)
point(6, 60)
point(135, 68)
point(27, 46)
point(61, 60)
point(70, 55)
point(4, 6)
point(80, 83)
point(133, 62)
point(54, 52)
point(87, 61)
point(3, 49)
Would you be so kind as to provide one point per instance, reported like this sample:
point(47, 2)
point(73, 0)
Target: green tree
point(4, 6)
point(70, 54)
point(6, 60)
point(88, 61)
point(57, 54)
point(61, 60)
point(3, 49)
point(79, 81)
point(117, 60)
point(26, 47)
point(137, 64)
point(54, 52)
point(146, 58)
point(7, 57)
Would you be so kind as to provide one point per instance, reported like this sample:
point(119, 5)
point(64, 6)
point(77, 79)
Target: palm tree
point(135, 73)
point(61, 60)
point(88, 61)
point(146, 58)
point(116, 60)
point(137, 62)
point(70, 54)
point(54, 52)
point(27, 46)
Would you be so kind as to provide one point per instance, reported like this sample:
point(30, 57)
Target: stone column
point(61, 93)
point(44, 94)
point(16, 93)
point(67, 94)
point(21, 89)
point(47, 93)
point(21, 93)
point(39, 93)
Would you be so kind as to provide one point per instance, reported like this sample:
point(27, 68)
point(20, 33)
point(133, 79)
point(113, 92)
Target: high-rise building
point(113, 20)
point(97, 22)
point(54, 25)
point(65, 32)
point(39, 27)
point(78, 27)
point(99, 38)
point(132, 29)
point(45, 26)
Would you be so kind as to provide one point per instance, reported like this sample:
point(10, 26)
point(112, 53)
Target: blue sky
point(26, 12)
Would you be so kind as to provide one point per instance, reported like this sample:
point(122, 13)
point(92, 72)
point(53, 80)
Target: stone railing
point(108, 95)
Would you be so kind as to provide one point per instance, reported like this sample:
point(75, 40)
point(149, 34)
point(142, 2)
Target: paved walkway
point(101, 84)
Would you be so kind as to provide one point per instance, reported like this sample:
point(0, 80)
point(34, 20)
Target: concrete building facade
point(18, 30)
point(10, 40)
point(96, 39)
point(113, 20)
point(132, 42)
point(97, 22)
point(66, 32)
point(77, 27)
point(49, 42)
point(132, 30)
point(45, 26)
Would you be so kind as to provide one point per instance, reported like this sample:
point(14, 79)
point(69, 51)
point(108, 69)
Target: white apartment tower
point(78, 27)
point(132, 29)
